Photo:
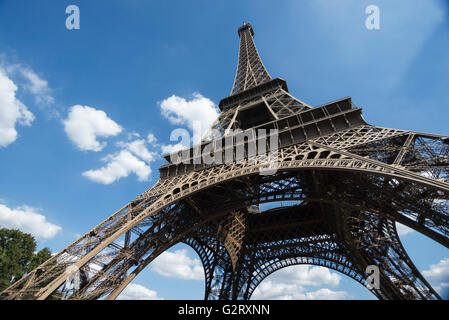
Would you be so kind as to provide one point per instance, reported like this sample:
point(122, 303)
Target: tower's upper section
point(250, 70)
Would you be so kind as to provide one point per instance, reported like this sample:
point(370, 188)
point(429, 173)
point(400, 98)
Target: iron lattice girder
point(133, 211)
point(348, 181)
point(256, 263)
point(298, 125)
point(250, 69)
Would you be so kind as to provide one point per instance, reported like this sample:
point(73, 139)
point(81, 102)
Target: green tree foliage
point(17, 256)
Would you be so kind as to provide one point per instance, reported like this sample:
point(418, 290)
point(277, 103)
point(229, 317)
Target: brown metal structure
point(341, 185)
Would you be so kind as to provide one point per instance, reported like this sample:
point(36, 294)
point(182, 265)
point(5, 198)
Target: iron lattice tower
point(341, 183)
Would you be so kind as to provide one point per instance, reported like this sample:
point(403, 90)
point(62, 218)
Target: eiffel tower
point(340, 187)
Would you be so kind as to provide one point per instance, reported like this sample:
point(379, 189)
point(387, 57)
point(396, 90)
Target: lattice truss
point(339, 195)
point(278, 103)
point(346, 199)
point(250, 70)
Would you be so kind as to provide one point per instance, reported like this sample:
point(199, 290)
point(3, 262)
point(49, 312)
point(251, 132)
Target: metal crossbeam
point(346, 183)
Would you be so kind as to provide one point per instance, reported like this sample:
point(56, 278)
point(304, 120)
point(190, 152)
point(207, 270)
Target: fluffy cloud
point(151, 138)
point(289, 284)
point(305, 275)
point(125, 162)
point(276, 291)
point(139, 148)
point(38, 86)
point(33, 83)
point(12, 111)
point(288, 291)
point(84, 124)
point(171, 148)
point(178, 264)
point(198, 111)
point(438, 273)
point(138, 292)
point(28, 220)
point(119, 166)
point(326, 294)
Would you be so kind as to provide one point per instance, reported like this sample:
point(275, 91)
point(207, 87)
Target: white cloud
point(119, 166)
point(139, 149)
point(33, 83)
point(271, 290)
point(28, 220)
point(171, 148)
point(12, 111)
point(132, 135)
point(128, 160)
point(403, 230)
point(276, 291)
point(199, 110)
point(138, 292)
point(305, 275)
point(151, 138)
point(438, 273)
point(326, 294)
point(178, 264)
point(84, 124)
point(38, 86)
point(290, 284)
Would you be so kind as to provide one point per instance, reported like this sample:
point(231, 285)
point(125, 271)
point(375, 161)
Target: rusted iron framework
point(341, 185)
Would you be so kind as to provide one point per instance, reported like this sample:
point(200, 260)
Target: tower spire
point(250, 70)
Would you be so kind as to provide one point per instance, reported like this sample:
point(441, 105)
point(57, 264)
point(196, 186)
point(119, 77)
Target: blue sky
point(137, 68)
